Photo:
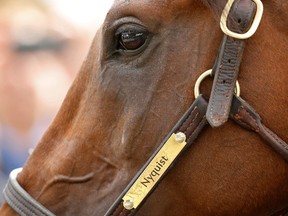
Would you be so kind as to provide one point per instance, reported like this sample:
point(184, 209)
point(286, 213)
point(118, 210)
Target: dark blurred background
point(42, 46)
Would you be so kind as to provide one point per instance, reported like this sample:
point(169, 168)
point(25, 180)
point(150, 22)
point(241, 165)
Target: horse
point(133, 87)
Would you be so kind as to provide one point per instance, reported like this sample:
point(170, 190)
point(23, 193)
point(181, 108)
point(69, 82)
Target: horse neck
point(265, 59)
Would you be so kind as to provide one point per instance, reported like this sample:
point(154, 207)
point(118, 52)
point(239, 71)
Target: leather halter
point(20, 200)
point(226, 68)
point(243, 18)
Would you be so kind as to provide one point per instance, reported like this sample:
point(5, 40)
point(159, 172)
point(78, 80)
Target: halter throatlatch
point(239, 21)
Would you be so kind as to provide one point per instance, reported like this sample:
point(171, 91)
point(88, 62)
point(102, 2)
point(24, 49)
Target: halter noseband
point(20, 200)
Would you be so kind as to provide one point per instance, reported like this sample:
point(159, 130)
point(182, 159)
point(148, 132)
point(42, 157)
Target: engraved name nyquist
point(155, 172)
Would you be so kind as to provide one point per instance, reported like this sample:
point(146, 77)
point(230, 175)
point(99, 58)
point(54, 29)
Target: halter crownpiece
point(240, 19)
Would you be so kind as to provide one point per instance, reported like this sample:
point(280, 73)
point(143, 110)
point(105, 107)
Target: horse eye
point(131, 40)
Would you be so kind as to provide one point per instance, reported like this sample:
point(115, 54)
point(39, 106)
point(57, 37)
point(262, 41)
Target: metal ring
point(209, 73)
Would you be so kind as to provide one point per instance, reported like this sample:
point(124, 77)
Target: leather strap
point(283, 212)
point(247, 117)
point(227, 65)
point(191, 124)
point(20, 200)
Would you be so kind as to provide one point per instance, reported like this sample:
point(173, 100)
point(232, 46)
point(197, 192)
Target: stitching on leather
point(122, 213)
point(254, 119)
point(130, 213)
point(192, 122)
point(278, 139)
point(257, 129)
point(187, 119)
point(236, 117)
point(192, 134)
point(272, 134)
point(119, 206)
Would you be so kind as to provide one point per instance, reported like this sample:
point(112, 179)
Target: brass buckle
point(254, 26)
point(209, 73)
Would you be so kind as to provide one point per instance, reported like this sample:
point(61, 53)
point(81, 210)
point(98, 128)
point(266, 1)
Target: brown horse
point(129, 94)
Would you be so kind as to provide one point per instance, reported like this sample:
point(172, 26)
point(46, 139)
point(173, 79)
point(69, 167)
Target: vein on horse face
point(67, 180)
point(73, 179)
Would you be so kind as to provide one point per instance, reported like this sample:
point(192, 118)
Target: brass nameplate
point(153, 172)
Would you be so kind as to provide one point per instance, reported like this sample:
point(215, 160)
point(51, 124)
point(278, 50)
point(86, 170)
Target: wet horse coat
point(123, 103)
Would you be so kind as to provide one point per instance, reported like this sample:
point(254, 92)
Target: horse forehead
point(165, 9)
point(173, 3)
point(159, 6)
point(157, 3)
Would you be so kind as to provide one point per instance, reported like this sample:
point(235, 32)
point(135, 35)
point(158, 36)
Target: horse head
point(134, 85)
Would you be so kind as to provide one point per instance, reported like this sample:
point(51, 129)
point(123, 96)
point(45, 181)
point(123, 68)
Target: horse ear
point(216, 6)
